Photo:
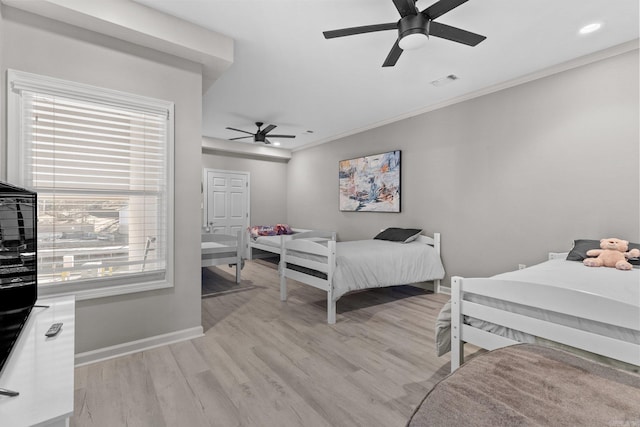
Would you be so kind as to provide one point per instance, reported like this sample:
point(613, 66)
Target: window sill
point(82, 293)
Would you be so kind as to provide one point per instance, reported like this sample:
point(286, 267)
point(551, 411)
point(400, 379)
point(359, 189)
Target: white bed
point(270, 244)
point(591, 309)
point(219, 249)
point(316, 259)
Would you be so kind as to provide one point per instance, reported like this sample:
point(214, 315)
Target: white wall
point(268, 183)
point(38, 45)
point(506, 177)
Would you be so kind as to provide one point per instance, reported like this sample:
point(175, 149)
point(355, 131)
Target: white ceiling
point(287, 74)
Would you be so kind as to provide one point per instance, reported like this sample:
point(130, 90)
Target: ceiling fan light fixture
point(413, 41)
point(413, 32)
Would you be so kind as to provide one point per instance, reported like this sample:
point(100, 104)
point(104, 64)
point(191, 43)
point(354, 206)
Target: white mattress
point(216, 247)
point(606, 282)
point(365, 264)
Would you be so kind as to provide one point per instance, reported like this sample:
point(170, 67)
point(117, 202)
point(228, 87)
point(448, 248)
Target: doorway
point(226, 201)
point(225, 211)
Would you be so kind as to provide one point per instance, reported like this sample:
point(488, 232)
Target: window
point(101, 163)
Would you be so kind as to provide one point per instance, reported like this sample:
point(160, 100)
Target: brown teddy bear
point(613, 254)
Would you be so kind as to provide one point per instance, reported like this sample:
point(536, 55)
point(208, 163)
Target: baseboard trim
point(445, 290)
point(131, 347)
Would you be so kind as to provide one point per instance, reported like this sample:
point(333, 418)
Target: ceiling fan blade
point(267, 142)
point(282, 136)
point(359, 30)
point(240, 130)
point(441, 7)
point(393, 55)
point(455, 34)
point(240, 137)
point(268, 129)
point(406, 7)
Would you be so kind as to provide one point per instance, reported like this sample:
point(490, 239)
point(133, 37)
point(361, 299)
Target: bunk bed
point(263, 246)
point(316, 259)
point(557, 302)
point(220, 249)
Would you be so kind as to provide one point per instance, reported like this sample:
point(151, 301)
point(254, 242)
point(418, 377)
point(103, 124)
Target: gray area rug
point(530, 385)
point(221, 280)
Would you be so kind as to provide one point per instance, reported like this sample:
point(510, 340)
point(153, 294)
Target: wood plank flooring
point(263, 362)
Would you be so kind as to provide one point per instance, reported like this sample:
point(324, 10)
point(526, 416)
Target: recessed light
point(590, 28)
point(276, 143)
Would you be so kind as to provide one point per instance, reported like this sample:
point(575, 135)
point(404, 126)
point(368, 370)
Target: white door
point(227, 201)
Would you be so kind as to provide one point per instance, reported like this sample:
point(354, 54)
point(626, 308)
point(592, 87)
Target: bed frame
point(219, 249)
point(302, 243)
point(576, 303)
point(252, 244)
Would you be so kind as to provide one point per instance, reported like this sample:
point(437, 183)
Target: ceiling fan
point(414, 28)
point(261, 135)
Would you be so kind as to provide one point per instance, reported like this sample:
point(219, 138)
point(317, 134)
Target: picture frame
point(370, 183)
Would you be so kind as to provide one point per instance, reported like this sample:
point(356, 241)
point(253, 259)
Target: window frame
point(17, 81)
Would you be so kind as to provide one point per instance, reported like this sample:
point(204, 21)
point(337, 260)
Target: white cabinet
point(41, 369)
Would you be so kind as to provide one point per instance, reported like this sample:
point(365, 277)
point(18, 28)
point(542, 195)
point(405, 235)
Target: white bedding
point(608, 283)
point(364, 264)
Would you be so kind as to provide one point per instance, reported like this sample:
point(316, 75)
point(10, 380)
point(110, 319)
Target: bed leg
point(240, 246)
point(331, 305)
point(436, 286)
point(283, 285)
point(331, 311)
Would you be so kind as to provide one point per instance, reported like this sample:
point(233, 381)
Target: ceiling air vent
point(445, 80)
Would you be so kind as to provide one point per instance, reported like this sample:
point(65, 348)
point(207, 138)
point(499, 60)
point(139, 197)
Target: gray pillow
point(404, 235)
point(580, 248)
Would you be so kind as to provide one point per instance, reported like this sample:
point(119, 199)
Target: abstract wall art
point(370, 183)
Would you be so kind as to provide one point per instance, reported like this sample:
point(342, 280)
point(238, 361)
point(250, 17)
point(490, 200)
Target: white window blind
point(100, 166)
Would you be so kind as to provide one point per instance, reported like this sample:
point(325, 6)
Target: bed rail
point(219, 249)
point(576, 303)
point(316, 251)
point(267, 249)
point(316, 243)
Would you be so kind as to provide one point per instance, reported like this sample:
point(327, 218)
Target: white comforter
point(606, 282)
point(363, 264)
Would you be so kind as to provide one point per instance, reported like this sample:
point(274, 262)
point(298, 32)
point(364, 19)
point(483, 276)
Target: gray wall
point(42, 46)
point(268, 183)
point(506, 177)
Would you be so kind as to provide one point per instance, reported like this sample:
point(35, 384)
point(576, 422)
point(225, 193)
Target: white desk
point(41, 369)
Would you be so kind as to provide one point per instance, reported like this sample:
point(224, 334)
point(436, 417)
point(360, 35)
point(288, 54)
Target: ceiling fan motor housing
point(413, 24)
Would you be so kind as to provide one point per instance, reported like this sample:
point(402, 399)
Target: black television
point(18, 263)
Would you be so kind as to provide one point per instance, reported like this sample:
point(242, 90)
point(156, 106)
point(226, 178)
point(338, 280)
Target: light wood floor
point(265, 363)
